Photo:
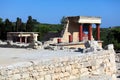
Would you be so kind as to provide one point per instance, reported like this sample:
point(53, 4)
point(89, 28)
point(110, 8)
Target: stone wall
point(89, 66)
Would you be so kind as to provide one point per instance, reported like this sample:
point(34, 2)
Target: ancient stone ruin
point(78, 30)
point(76, 55)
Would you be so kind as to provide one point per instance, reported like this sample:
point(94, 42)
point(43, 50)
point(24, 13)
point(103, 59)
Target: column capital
point(97, 25)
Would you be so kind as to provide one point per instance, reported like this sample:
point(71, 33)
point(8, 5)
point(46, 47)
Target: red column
point(89, 31)
point(59, 40)
point(98, 31)
point(20, 39)
point(80, 32)
point(70, 38)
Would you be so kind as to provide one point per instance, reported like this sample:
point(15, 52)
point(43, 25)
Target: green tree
point(23, 27)
point(18, 24)
point(1, 26)
point(63, 20)
point(42, 29)
point(6, 27)
point(1, 20)
point(113, 37)
point(29, 25)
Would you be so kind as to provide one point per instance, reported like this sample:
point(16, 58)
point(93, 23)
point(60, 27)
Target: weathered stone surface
point(109, 47)
point(16, 77)
point(25, 75)
point(92, 46)
point(89, 66)
point(47, 77)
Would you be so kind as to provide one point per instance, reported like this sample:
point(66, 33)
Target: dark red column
point(80, 32)
point(59, 40)
point(70, 38)
point(98, 31)
point(89, 31)
point(20, 39)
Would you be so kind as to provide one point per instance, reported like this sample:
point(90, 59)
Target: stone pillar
point(26, 39)
point(70, 38)
point(20, 39)
point(59, 40)
point(80, 32)
point(89, 31)
point(98, 32)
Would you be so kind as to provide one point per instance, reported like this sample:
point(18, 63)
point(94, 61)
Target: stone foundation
point(89, 66)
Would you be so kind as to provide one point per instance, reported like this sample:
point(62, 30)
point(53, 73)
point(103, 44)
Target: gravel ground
point(13, 55)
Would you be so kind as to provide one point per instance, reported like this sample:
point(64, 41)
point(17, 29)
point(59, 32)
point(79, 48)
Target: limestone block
point(109, 64)
point(40, 69)
point(68, 68)
point(30, 68)
point(109, 47)
point(35, 74)
point(76, 65)
point(98, 62)
point(63, 69)
point(73, 66)
point(16, 71)
point(46, 68)
point(9, 72)
point(47, 77)
point(66, 74)
point(107, 69)
point(61, 75)
point(57, 70)
point(79, 66)
point(3, 72)
point(93, 44)
point(55, 76)
point(16, 77)
point(84, 74)
point(100, 70)
point(92, 62)
point(50, 72)
point(41, 78)
point(65, 63)
point(24, 69)
point(60, 64)
point(96, 72)
point(2, 77)
point(25, 75)
point(72, 77)
point(82, 70)
point(114, 77)
point(86, 64)
point(36, 67)
point(75, 71)
point(42, 73)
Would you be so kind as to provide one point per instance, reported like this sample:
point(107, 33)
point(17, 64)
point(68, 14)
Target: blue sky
point(51, 11)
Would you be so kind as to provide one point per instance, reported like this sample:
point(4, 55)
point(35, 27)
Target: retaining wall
point(89, 66)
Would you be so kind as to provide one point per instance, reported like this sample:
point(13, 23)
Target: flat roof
point(85, 19)
point(22, 32)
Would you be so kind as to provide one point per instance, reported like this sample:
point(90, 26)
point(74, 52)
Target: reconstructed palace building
point(22, 37)
point(77, 30)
